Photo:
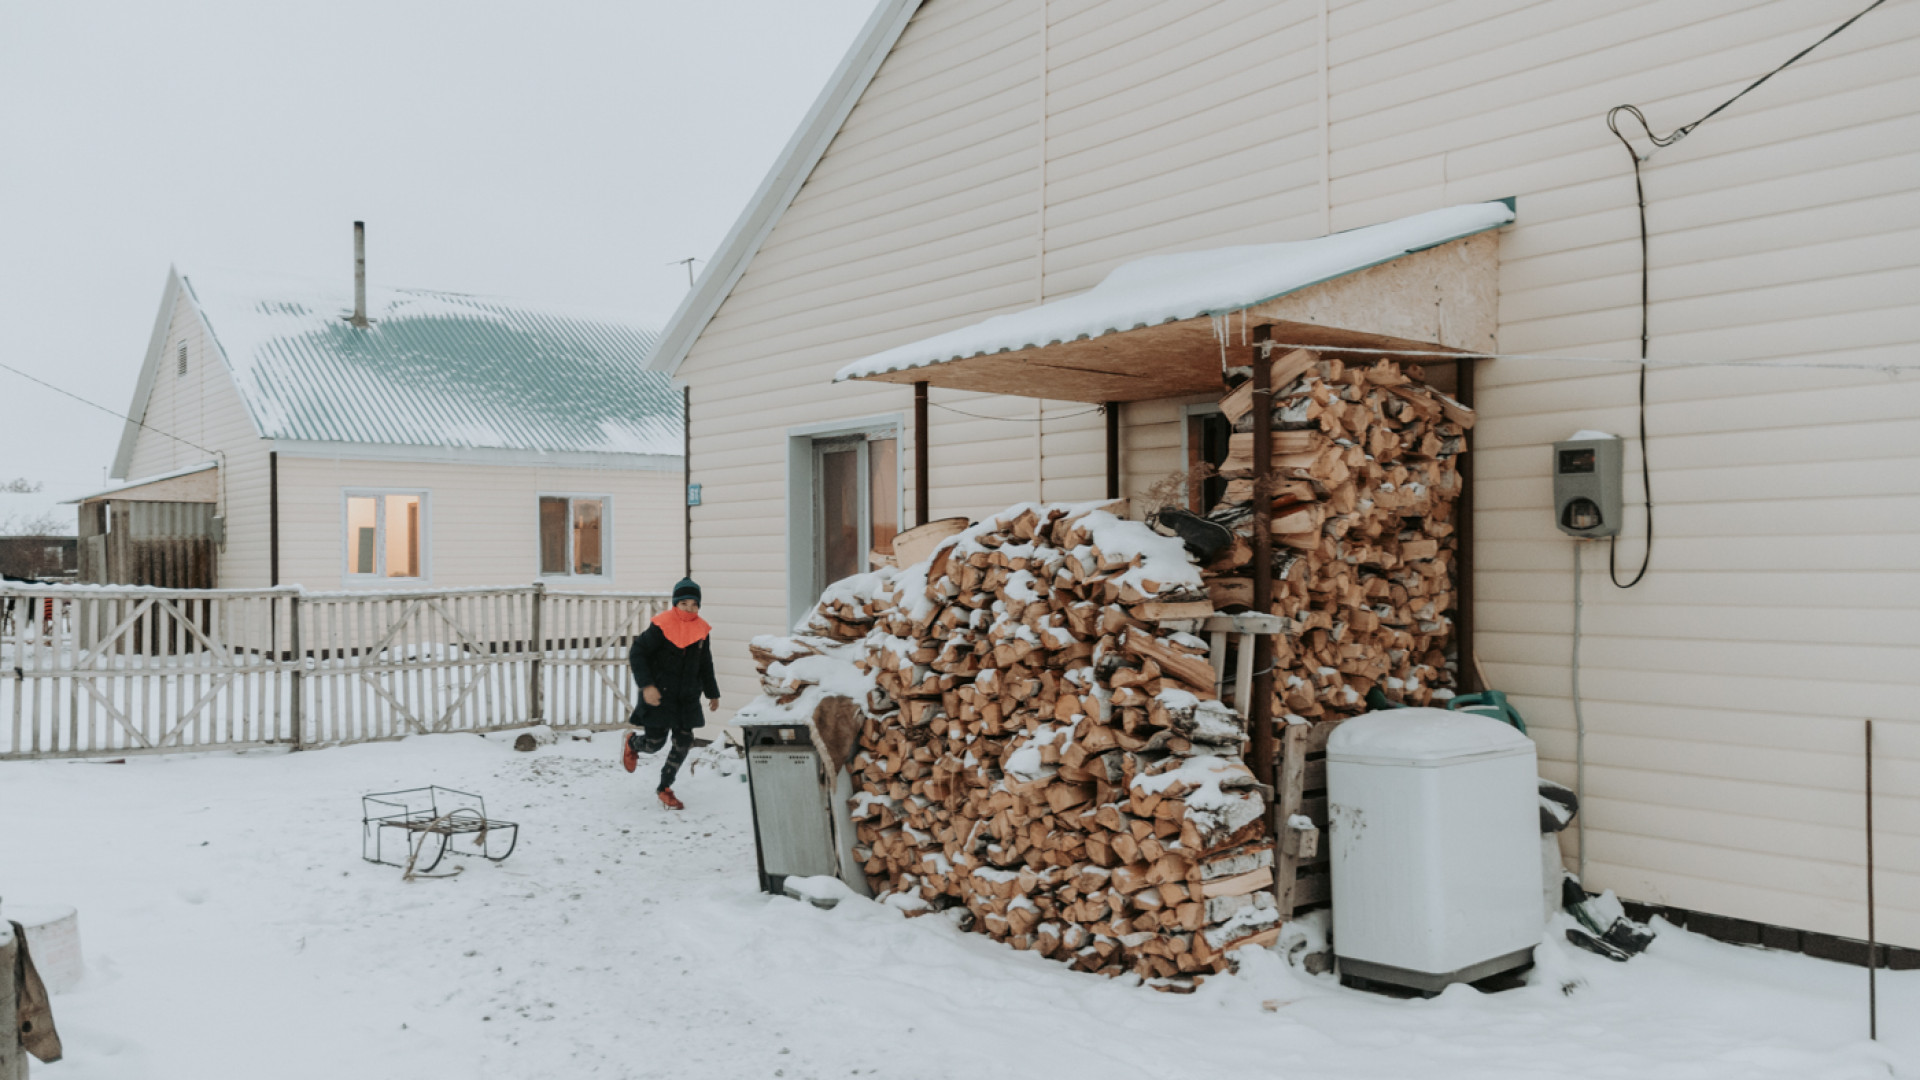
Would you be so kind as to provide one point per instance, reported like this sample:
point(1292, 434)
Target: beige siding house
point(454, 441)
point(973, 158)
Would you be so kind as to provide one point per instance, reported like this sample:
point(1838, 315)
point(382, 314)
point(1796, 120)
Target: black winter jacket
point(681, 675)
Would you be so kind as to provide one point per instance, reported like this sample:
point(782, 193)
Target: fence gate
point(100, 671)
point(93, 671)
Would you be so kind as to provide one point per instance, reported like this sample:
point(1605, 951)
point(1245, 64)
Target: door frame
point(802, 508)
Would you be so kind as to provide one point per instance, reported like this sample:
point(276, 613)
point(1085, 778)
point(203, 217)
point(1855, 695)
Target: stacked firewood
point(1363, 482)
point(1042, 756)
point(1041, 751)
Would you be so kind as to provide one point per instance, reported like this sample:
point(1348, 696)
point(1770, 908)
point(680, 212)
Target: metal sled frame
point(430, 815)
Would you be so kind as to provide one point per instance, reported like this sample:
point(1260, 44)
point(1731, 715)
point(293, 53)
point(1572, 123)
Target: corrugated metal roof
point(437, 369)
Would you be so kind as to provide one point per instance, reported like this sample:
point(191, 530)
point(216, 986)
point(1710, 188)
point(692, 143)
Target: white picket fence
point(112, 670)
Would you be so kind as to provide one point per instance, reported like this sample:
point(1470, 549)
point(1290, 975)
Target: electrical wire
point(110, 412)
point(1458, 354)
point(1018, 419)
point(1684, 130)
point(1640, 195)
point(1579, 725)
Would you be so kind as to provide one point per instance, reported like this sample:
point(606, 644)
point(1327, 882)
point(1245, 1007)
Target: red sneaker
point(629, 753)
point(668, 800)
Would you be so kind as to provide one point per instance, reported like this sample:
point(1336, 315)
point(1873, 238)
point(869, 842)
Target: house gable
point(183, 415)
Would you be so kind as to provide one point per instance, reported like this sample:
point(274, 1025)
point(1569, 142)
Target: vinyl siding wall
point(1723, 696)
point(203, 408)
point(483, 521)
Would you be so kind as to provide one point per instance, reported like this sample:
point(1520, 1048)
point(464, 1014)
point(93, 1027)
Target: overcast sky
point(563, 151)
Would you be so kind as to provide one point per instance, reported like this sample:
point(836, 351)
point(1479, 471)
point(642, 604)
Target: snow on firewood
point(1014, 686)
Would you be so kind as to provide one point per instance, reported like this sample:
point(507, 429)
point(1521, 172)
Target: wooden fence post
point(298, 709)
point(13, 1053)
point(537, 645)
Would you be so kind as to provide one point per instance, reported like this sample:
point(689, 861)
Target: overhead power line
point(108, 411)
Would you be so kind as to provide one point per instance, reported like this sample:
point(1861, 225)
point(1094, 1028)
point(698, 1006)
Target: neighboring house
point(452, 441)
point(974, 158)
point(38, 558)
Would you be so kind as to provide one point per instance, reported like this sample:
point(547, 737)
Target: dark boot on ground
point(1596, 946)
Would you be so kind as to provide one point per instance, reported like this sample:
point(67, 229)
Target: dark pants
point(682, 745)
point(657, 722)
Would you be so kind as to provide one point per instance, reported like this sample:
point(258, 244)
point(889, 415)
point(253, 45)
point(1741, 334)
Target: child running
point(672, 662)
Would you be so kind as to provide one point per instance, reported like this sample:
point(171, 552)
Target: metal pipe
point(921, 514)
point(686, 471)
point(359, 274)
point(273, 517)
point(1873, 945)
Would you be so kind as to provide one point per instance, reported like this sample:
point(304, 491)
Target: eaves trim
point(789, 173)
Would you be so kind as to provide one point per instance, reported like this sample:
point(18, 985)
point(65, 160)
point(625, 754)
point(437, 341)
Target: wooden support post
point(1289, 798)
point(1259, 711)
point(1469, 673)
point(921, 514)
point(1112, 409)
point(13, 1052)
point(297, 711)
point(537, 645)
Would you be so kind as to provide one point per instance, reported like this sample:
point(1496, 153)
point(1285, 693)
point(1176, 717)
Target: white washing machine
point(1434, 828)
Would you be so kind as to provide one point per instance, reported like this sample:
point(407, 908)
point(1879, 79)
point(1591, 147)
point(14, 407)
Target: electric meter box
point(1586, 486)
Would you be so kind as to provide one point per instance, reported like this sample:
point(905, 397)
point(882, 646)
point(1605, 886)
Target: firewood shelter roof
point(1154, 327)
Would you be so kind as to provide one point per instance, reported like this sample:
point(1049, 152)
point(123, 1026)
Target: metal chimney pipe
point(359, 274)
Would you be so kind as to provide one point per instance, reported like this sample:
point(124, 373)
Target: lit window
point(385, 535)
point(573, 535)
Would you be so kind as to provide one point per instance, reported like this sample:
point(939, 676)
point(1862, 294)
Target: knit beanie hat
point(685, 589)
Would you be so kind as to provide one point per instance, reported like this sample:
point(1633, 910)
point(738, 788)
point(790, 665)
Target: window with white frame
point(386, 535)
point(573, 535)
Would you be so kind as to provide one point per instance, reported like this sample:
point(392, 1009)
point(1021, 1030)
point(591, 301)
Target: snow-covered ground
point(232, 930)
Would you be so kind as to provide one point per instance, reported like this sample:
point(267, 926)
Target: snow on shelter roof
point(1188, 285)
point(436, 369)
point(143, 482)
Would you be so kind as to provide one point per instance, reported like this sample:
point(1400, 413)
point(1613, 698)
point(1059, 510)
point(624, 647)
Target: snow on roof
point(1171, 288)
point(145, 481)
point(436, 369)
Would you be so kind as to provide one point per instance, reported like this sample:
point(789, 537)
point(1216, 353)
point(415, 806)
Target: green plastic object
point(1486, 703)
point(1489, 703)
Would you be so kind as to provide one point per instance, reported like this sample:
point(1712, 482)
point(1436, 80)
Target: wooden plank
point(1289, 799)
point(1318, 733)
point(1310, 889)
point(1217, 656)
